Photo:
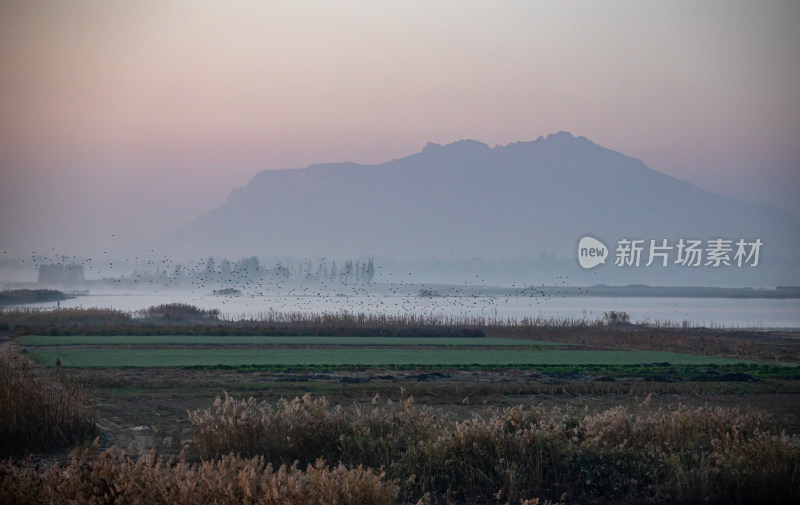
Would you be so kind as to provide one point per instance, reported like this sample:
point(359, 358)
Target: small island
point(24, 296)
point(227, 292)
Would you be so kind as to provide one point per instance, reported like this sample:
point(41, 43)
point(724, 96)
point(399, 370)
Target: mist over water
point(708, 312)
point(472, 290)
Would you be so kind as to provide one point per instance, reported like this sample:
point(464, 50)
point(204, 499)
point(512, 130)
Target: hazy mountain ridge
point(466, 199)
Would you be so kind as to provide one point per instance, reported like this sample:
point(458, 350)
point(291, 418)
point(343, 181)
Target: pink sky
point(131, 118)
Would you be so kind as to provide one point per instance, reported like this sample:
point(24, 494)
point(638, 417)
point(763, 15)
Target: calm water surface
point(739, 312)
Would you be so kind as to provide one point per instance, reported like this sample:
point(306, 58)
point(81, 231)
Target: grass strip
point(113, 358)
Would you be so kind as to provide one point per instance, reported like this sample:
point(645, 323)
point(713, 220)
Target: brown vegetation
point(39, 409)
point(667, 456)
point(176, 312)
point(27, 320)
point(309, 451)
point(113, 477)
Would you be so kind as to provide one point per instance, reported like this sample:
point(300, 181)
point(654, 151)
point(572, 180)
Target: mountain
point(466, 200)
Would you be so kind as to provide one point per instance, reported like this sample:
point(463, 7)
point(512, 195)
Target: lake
point(728, 312)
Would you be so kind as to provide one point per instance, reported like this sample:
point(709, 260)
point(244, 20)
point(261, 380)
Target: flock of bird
point(288, 290)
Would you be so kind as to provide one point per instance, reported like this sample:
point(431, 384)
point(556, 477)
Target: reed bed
point(410, 319)
point(17, 318)
point(40, 409)
point(178, 312)
point(309, 428)
point(610, 332)
point(115, 477)
point(681, 455)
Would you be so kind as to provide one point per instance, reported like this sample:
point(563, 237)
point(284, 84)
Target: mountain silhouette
point(467, 200)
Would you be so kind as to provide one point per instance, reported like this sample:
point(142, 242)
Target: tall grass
point(32, 320)
point(666, 456)
point(309, 428)
point(176, 313)
point(113, 477)
point(40, 409)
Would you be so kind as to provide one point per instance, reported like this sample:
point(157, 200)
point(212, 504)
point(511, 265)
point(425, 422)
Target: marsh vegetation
point(709, 421)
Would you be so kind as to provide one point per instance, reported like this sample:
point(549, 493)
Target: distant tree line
point(351, 271)
point(58, 273)
point(223, 270)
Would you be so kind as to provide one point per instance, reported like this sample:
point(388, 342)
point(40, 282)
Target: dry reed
point(114, 477)
point(39, 408)
point(666, 456)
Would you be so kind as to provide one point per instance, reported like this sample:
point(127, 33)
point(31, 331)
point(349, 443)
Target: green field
point(289, 351)
point(117, 357)
point(72, 340)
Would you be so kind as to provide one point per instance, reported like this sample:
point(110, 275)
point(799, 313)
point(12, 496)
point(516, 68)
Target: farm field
point(194, 351)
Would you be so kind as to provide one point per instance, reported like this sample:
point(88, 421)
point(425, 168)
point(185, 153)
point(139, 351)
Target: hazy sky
point(121, 120)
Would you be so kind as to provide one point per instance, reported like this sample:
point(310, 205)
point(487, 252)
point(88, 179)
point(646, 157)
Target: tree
point(211, 267)
point(613, 318)
point(370, 271)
